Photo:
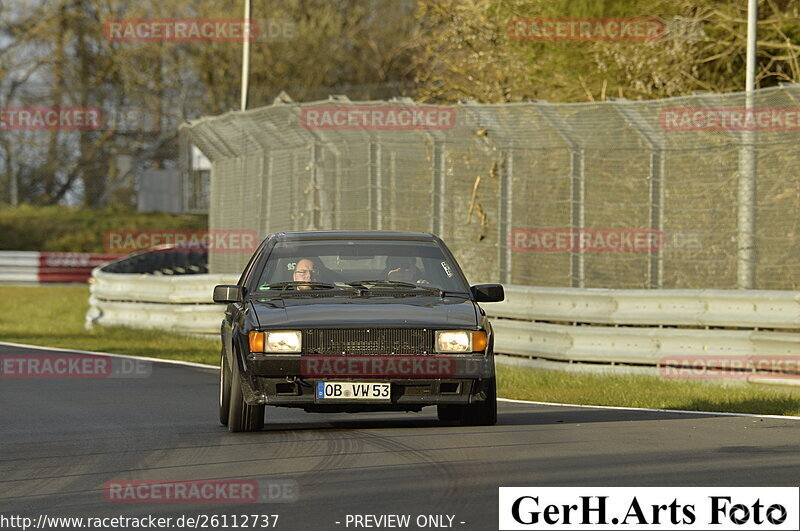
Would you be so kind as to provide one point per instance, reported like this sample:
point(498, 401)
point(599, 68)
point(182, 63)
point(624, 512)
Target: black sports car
point(356, 321)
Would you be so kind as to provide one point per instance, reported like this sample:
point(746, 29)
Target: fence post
point(577, 187)
point(655, 268)
point(317, 182)
point(746, 218)
point(294, 202)
point(506, 221)
point(655, 271)
point(577, 213)
point(439, 187)
point(375, 187)
point(337, 194)
point(266, 199)
point(744, 249)
point(184, 168)
point(392, 188)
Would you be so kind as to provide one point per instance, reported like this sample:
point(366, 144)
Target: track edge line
point(624, 408)
point(125, 356)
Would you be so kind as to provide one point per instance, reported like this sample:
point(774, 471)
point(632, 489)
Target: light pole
point(248, 7)
point(746, 241)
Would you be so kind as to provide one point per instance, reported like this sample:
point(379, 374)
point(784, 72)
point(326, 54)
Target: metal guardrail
point(202, 319)
point(40, 267)
point(637, 345)
point(19, 266)
point(649, 327)
point(722, 308)
point(166, 287)
point(181, 303)
point(141, 288)
point(583, 325)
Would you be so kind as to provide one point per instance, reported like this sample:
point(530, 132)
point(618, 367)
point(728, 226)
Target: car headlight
point(277, 341)
point(460, 341)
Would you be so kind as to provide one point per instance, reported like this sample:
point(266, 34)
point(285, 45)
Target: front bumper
point(406, 395)
point(416, 381)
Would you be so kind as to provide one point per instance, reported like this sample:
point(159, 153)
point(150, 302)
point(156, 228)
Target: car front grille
point(368, 341)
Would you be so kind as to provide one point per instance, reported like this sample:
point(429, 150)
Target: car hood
point(450, 312)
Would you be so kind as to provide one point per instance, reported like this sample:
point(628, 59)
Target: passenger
point(403, 269)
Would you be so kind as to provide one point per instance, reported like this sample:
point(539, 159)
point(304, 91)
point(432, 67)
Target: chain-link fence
point(617, 194)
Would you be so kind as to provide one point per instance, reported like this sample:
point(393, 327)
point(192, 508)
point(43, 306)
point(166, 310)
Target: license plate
point(354, 391)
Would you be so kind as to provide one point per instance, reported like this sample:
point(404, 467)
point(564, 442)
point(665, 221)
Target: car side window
point(248, 270)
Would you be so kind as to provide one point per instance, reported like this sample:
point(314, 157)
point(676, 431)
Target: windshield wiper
point(296, 285)
point(383, 283)
point(369, 284)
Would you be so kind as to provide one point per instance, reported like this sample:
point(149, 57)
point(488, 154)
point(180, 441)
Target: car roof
point(355, 235)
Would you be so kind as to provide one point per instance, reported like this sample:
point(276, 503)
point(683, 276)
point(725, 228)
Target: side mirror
point(225, 293)
point(488, 292)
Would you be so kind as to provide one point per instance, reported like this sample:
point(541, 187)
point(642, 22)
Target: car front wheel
point(224, 390)
point(483, 413)
point(241, 416)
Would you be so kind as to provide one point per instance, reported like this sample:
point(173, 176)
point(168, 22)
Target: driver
point(305, 271)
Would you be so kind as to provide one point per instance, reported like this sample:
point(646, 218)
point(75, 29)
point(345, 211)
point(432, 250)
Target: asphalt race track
point(63, 439)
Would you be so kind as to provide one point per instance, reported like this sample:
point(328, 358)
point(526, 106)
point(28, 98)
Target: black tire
point(448, 413)
point(483, 413)
point(224, 390)
point(242, 417)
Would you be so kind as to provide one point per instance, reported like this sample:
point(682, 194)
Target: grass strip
point(645, 391)
point(53, 316)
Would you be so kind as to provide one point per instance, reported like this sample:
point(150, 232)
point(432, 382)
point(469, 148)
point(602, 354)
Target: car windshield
point(371, 265)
